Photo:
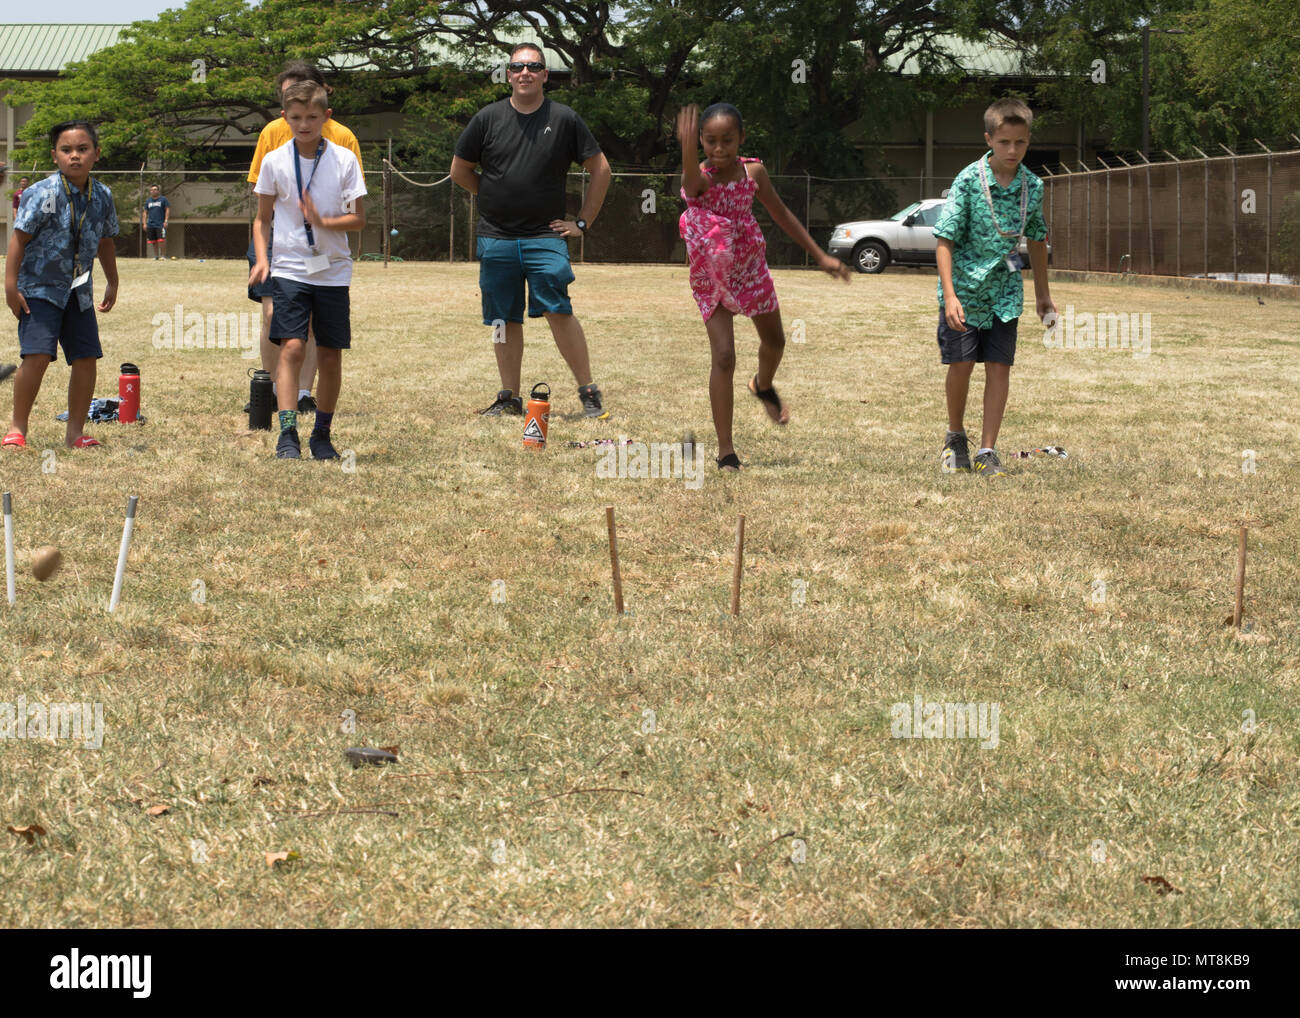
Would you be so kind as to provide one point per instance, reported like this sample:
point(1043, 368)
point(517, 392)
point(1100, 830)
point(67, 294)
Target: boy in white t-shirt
point(314, 188)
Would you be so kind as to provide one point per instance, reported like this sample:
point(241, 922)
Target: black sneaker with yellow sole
point(591, 403)
point(506, 404)
point(988, 464)
point(956, 453)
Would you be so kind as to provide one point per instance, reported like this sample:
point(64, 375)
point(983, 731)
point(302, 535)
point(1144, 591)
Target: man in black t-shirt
point(524, 145)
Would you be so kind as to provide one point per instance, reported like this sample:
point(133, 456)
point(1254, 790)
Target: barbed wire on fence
point(1213, 216)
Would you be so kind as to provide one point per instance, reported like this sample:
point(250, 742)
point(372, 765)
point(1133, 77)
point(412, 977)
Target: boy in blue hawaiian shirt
point(64, 222)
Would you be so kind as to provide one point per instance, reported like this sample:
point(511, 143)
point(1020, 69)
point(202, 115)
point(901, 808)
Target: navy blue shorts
point(153, 234)
point(49, 326)
point(505, 264)
point(299, 306)
point(996, 343)
point(262, 289)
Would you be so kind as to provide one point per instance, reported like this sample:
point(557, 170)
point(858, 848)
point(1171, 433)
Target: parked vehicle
point(906, 238)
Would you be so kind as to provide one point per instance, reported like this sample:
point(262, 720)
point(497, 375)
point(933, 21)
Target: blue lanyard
point(297, 172)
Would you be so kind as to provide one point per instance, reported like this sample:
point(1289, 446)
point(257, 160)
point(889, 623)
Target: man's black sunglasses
point(533, 65)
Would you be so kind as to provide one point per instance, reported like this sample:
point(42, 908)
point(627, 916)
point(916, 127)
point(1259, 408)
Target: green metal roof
point(47, 49)
point(995, 56)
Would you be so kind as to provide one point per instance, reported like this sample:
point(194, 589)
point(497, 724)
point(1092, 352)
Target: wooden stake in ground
point(613, 558)
point(740, 564)
point(1241, 579)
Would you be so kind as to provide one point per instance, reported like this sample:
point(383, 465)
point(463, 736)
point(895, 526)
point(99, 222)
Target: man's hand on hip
point(565, 228)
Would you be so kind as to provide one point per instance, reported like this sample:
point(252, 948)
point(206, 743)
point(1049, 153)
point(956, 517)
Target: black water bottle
point(261, 399)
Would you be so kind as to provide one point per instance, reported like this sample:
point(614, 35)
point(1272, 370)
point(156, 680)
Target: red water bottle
point(128, 394)
point(537, 417)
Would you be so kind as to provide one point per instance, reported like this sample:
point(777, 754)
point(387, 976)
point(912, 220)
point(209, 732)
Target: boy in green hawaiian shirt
point(992, 203)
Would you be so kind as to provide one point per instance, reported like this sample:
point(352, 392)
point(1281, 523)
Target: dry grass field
point(444, 591)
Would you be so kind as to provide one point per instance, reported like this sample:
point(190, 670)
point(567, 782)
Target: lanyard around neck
point(1024, 203)
point(75, 224)
point(297, 172)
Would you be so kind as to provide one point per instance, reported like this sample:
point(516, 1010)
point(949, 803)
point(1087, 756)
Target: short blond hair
point(308, 93)
point(1007, 111)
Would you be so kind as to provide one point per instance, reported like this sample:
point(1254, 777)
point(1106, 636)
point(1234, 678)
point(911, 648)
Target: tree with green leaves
point(199, 76)
point(1218, 70)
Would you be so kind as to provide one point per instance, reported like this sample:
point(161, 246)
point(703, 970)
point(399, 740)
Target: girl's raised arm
point(688, 133)
point(785, 219)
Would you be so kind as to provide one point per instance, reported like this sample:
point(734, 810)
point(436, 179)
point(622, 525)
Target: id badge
point(80, 280)
point(317, 263)
point(1014, 262)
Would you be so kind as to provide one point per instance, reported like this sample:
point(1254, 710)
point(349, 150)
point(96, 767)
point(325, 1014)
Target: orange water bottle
point(537, 416)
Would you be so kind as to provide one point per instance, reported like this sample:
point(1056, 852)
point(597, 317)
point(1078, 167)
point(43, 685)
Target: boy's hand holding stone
point(1044, 306)
point(954, 314)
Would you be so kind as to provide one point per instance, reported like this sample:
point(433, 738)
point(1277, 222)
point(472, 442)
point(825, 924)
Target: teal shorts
point(505, 264)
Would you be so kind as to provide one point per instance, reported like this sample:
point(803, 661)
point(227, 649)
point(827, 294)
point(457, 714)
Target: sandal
point(85, 442)
point(14, 440)
point(729, 462)
point(772, 403)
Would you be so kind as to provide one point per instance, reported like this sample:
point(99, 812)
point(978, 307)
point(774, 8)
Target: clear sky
point(85, 12)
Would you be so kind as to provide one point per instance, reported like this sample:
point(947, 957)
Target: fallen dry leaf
point(274, 857)
point(262, 779)
point(158, 810)
point(29, 832)
point(1161, 885)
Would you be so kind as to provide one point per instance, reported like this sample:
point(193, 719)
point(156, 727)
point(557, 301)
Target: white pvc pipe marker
point(121, 554)
point(9, 546)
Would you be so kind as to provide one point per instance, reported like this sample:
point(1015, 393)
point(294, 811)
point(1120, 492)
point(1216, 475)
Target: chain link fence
point(638, 220)
point(424, 217)
point(1217, 216)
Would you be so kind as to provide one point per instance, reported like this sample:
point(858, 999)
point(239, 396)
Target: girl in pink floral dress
point(728, 258)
